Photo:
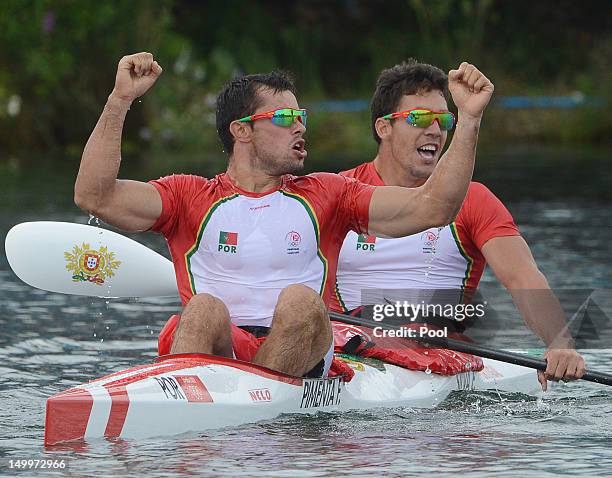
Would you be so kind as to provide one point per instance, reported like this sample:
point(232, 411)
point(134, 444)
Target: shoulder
point(185, 185)
point(478, 191)
point(362, 172)
point(328, 187)
point(480, 197)
point(319, 179)
point(482, 210)
point(191, 179)
point(354, 172)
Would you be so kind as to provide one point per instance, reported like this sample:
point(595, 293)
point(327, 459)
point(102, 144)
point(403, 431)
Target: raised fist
point(470, 89)
point(135, 75)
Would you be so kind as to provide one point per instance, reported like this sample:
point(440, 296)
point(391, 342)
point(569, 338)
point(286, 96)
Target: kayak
point(184, 393)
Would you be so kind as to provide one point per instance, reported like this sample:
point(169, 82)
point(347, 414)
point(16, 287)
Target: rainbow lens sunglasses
point(284, 117)
point(423, 118)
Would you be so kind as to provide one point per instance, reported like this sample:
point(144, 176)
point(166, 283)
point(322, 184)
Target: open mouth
point(428, 151)
point(300, 147)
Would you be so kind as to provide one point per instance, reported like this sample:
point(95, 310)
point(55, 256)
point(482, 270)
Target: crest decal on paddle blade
point(90, 265)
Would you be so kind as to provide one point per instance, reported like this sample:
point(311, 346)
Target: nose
point(300, 126)
point(434, 128)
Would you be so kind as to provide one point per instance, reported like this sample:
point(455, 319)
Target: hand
point(470, 89)
point(562, 364)
point(135, 75)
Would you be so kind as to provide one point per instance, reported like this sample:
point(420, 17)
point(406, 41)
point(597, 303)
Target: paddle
point(87, 260)
point(471, 348)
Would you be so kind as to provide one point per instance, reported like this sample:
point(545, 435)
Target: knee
point(301, 306)
point(302, 298)
point(206, 308)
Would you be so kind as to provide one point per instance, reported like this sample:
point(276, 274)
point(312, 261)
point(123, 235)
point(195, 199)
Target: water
point(50, 342)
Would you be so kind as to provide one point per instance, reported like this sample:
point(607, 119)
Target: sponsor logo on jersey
point(429, 239)
point(228, 242)
point(366, 243)
point(259, 208)
point(91, 265)
point(293, 240)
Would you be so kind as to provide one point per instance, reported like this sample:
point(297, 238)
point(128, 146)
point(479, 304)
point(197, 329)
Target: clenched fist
point(135, 75)
point(470, 89)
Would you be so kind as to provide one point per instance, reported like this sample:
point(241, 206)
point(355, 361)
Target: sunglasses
point(284, 117)
point(423, 118)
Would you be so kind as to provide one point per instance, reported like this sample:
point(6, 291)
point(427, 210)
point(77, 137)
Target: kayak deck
point(195, 392)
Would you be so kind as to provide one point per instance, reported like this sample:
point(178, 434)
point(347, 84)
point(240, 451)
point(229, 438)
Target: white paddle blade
point(86, 260)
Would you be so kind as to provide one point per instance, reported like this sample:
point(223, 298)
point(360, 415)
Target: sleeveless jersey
point(371, 269)
point(244, 248)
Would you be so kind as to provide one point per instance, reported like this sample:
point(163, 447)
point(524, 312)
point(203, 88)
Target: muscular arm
point(514, 266)
point(396, 211)
point(128, 205)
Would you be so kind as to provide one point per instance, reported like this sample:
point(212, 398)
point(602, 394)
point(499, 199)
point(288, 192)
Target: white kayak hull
point(196, 392)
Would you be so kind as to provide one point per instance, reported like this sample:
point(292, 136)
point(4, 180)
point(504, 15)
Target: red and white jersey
point(438, 258)
point(244, 248)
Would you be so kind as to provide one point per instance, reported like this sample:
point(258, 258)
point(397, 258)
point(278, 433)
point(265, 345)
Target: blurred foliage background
point(58, 61)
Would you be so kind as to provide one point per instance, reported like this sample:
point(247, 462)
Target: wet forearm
point(101, 156)
point(541, 310)
point(449, 183)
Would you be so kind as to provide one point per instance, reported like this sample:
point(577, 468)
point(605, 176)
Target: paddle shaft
point(471, 348)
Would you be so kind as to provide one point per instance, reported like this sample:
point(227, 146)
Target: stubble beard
point(274, 166)
point(421, 172)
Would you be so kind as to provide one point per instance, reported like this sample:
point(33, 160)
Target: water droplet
point(428, 371)
point(95, 335)
point(468, 365)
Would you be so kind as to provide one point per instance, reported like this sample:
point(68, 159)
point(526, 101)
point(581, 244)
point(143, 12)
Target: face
point(417, 150)
point(277, 150)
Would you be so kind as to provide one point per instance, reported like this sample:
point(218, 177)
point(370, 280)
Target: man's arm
point(128, 205)
point(513, 264)
point(397, 211)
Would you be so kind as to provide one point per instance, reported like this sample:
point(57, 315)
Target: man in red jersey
point(255, 249)
point(410, 123)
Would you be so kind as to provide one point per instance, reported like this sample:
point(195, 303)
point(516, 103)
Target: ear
point(383, 128)
point(241, 131)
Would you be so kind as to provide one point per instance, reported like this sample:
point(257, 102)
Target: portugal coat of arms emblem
point(90, 265)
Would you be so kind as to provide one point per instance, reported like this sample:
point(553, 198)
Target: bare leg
point(204, 328)
point(301, 332)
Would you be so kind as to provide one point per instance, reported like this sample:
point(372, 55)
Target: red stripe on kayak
point(120, 400)
point(194, 389)
point(119, 408)
point(67, 416)
point(68, 412)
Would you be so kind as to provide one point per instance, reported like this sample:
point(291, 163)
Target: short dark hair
point(407, 78)
point(239, 98)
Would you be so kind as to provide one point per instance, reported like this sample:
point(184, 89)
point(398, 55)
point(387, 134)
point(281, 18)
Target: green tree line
point(58, 60)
